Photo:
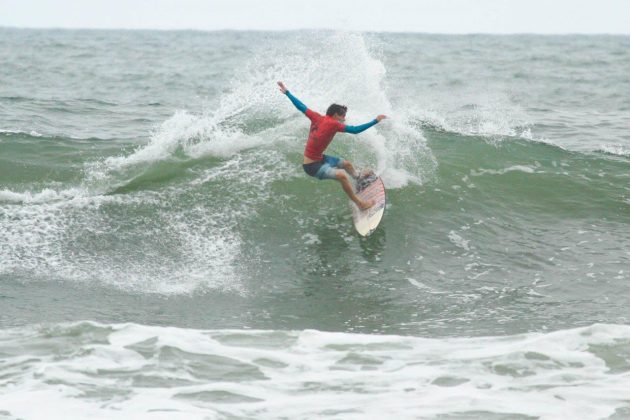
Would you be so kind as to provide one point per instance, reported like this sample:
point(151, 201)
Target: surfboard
point(369, 187)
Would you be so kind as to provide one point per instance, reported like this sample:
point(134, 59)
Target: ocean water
point(163, 256)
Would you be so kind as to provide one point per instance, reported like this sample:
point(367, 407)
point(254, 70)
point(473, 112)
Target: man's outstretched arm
point(356, 129)
point(298, 104)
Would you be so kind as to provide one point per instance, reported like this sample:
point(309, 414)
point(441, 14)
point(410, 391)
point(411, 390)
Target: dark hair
point(336, 109)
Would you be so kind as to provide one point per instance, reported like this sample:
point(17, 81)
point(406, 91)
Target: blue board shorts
point(324, 169)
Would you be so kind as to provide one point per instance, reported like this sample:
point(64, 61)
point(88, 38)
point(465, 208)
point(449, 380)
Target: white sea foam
point(195, 136)
point(57, 235)
point(134, 371)
point(616, 149)
point(423, 286)
point(44, 196)
point(458, 241)
point(516, 168)
point(29, 132)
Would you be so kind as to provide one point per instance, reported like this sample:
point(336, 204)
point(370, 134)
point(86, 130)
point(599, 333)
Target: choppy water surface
point(153, 178)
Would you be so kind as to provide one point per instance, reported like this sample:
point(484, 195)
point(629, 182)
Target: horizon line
point(62, 28)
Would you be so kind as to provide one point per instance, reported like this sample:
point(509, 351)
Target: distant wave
point(615, 149)
point(33, 135)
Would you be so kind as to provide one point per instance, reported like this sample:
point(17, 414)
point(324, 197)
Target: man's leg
point(345, 164)
point(347, 187)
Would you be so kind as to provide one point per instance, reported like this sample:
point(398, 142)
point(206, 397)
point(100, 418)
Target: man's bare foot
point(364, 205)
point(363, 174)
point(366, 172)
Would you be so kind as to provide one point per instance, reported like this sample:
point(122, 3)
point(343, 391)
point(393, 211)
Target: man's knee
point(341, 176)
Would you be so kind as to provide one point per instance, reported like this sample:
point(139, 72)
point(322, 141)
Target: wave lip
point(129, 370)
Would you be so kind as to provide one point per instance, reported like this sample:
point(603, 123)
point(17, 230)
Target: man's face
point(340, 118)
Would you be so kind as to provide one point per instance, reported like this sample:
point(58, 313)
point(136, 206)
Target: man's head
point(338, 112)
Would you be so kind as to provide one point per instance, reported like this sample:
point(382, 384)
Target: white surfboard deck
point(372, 188)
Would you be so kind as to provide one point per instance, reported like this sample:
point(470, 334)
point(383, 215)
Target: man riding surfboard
point(322, 131)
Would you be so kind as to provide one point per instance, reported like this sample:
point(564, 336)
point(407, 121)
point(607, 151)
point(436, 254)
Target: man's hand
point(283, 88)
point(381, 117)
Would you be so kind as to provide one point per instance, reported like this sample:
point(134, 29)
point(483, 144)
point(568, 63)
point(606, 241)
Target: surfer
point(323, 129)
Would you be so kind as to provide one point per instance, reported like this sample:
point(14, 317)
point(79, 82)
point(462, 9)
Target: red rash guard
point(323, 129)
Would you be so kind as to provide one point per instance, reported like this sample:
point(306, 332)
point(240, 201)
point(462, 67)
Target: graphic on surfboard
point(369, 187)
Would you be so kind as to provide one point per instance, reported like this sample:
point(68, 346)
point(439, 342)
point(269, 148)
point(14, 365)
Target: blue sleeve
point(356, 129)
point(298, 104)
